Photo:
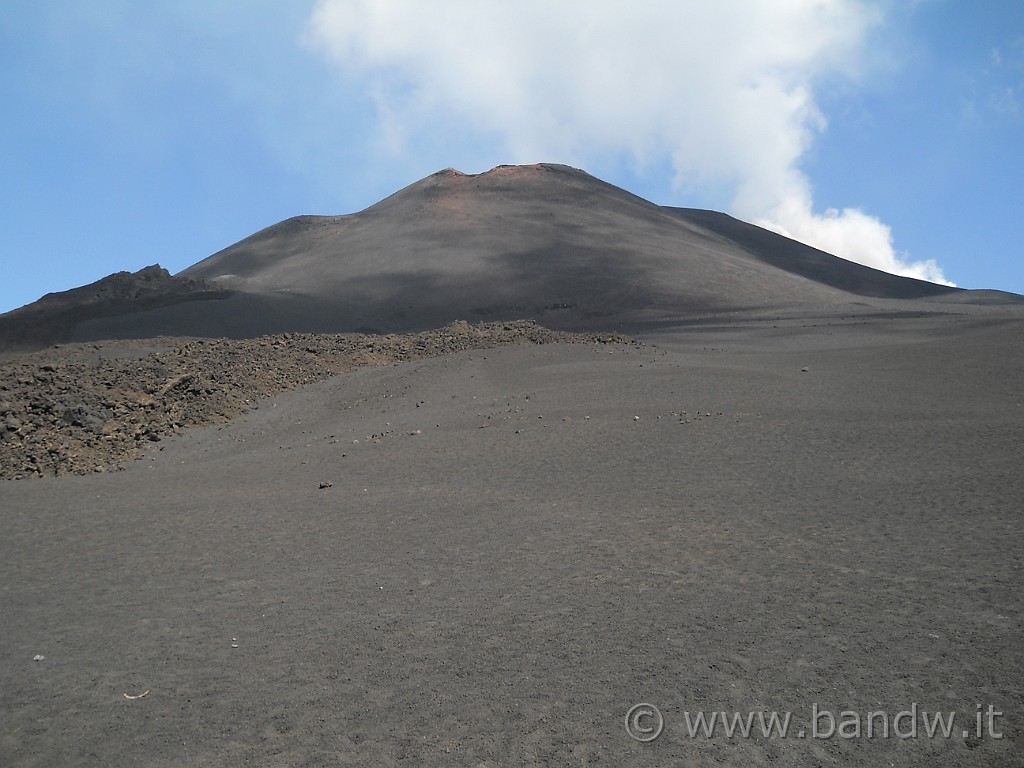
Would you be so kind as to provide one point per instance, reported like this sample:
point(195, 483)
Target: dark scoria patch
point(89, 408)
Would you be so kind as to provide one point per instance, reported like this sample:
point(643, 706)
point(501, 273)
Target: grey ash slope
point(799, 259)
point(546, 242)
point(762, 538)
point(543, 242)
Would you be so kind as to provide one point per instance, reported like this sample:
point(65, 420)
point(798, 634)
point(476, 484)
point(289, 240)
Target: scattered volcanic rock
point(88, 408)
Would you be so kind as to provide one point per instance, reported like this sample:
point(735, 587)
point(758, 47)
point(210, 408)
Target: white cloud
point(852, 234)
point(724, 91)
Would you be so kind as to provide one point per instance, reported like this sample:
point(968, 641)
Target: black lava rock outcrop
point(90, 407)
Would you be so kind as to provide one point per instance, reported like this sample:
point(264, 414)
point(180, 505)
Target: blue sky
point(160, 132)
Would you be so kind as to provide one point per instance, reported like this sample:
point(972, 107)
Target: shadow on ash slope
point(90, 407)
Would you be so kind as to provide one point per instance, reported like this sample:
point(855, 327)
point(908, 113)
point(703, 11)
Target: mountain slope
point(545, 242)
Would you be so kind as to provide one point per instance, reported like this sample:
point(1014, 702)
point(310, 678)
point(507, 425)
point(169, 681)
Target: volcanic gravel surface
point(488, 558)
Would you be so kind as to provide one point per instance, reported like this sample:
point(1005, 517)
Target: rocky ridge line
point(53, 318)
